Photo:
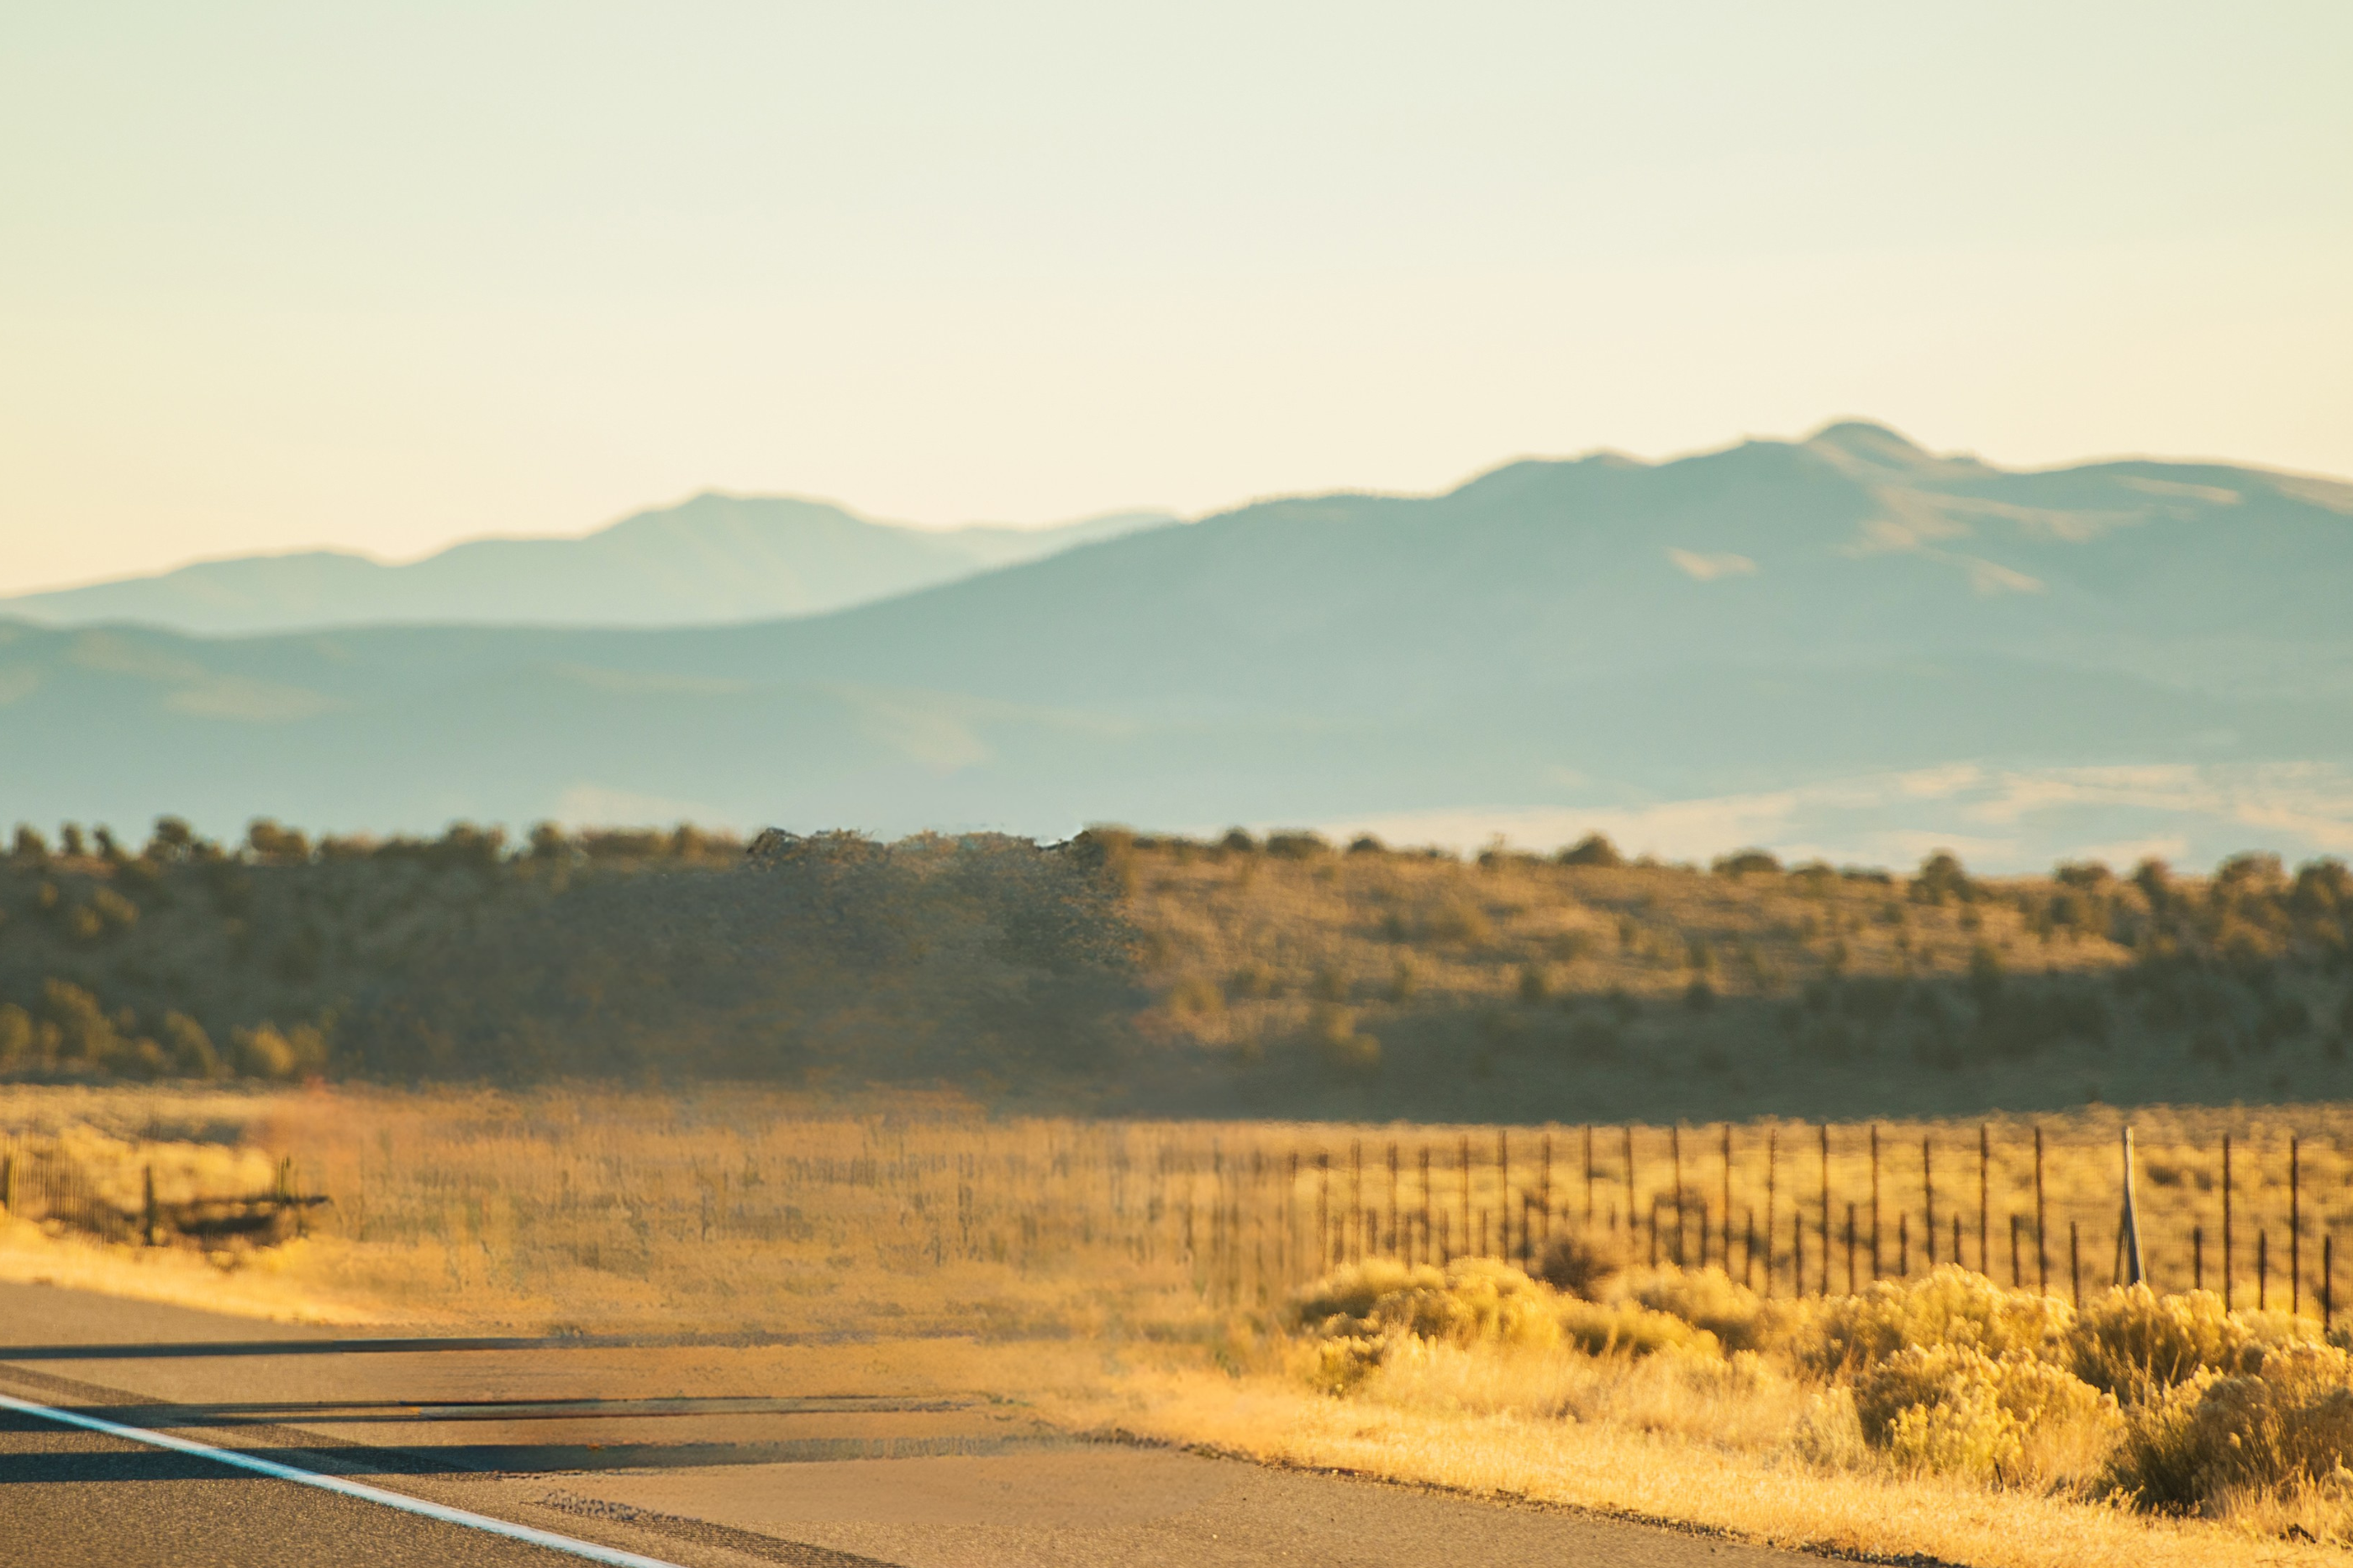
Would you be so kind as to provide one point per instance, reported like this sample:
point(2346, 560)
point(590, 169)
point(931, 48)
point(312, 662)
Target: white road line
point(407, 1504)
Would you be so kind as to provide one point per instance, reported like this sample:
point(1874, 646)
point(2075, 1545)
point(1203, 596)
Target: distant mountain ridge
point(712, 559)
point(1841, 645)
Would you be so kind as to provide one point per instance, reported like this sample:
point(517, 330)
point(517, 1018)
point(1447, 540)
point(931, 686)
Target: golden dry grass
point(746, 1205)
point(1127, 1277)
point(1661, 1475)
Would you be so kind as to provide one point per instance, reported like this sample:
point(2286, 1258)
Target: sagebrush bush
point(1629, 1328)
point(1950, 1307)
point(1952, 1408)
point(1359, 1313)
point(1494, 1302)
point(1338, 1364)
point(2166, 1403)
point(2135, 1344)
point(1828, 1433)
point(1963, 1430)
point(1706, 1299)
point(1472, 1300)
point(2284, 1424)
point(1345, 1298)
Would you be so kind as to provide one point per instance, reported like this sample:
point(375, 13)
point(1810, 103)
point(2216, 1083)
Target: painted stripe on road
point(407, 1504)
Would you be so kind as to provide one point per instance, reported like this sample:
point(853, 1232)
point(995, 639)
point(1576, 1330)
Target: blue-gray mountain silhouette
point(712, 559)
point(1600, 631)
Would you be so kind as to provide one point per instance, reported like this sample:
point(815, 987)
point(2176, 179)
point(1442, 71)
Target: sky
point(279, 276)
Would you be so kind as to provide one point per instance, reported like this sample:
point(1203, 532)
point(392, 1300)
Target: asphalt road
point(693, 1455)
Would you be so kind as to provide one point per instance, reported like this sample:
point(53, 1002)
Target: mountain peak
point(1865, 441)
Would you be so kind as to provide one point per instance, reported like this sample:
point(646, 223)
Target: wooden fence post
point(1825, 1280)
point(1262, 1290)
point(1588, 1177)
point(2075, 1269)
point(1545, 1189)
point(2295, 1233)
point(1772, 1165)
point(1726, 1209)
point(1985, 1201)
point(1426, 1256)
point(1675, 1156)
point(1287, 1246)
point(1356, 1202)
point(1504, 1196)
point(1323, 1214)
point(1928, 1205)
point(2132, 1262)
point(1393, 1251)
point(2042, 1253)
point(2227, 1237)
point(1632, 1219)
point(1465, 1151)
point(1875, 1268)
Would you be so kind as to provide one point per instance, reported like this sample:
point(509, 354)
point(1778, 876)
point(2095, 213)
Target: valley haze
point(1843, 645)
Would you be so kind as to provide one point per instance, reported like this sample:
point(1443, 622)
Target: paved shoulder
point(708, 1454)
point(71, 1497)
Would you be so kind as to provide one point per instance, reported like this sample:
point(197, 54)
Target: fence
point(1252, 1210)
point(110, 1190)
point(1789, 1209)
point(38, 1181)
point(1244, 1212)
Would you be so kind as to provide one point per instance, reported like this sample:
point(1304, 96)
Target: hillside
point(1241, 976)
point(1843, 646)
point(715, 558)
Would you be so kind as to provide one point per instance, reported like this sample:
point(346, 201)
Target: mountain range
point(715, 558)
point(1843, 644)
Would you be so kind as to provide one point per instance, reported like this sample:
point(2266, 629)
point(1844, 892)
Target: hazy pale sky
point(283, 275)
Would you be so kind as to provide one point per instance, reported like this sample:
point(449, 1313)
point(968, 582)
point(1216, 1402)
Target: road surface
point(693, 1455)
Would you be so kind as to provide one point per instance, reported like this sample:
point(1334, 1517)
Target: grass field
point(1175, 1254)
point(581, 1203)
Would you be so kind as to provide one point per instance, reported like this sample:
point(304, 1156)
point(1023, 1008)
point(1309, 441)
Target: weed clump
point(1579, 1266)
